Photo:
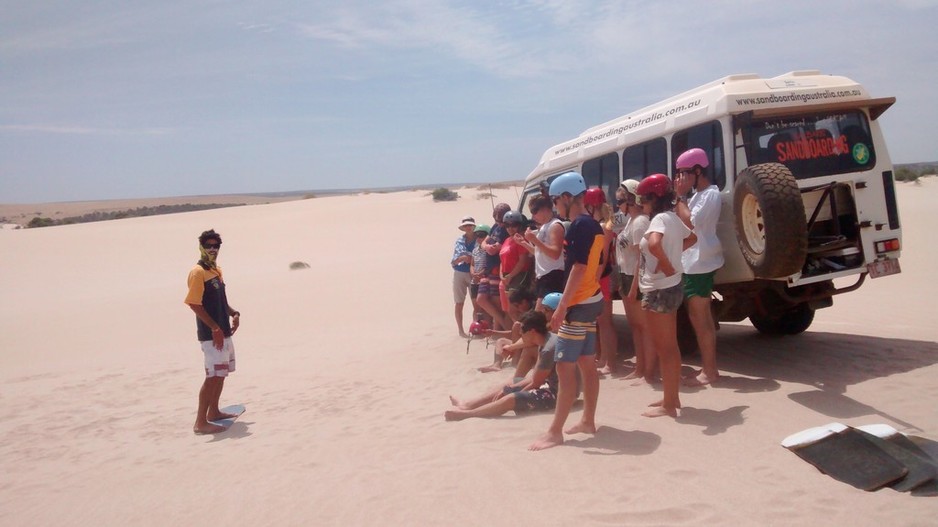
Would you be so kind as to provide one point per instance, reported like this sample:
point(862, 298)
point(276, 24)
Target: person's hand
point(235, 322)
point(218, 338)
point(530, 236)
point(557, 320)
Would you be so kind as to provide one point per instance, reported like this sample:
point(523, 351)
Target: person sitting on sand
point(535, 392)
point(216, 321)
point(509, 344)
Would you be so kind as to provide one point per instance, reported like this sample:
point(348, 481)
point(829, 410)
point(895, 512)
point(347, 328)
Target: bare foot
point(605, 370)
point(548, 440)
point(454, 415)
point(490, 369)
point(644, 381)
point(207, 428)
point(219, 416)
point(581, 428)
point(702, 379)
point(659, 404)
point(660, 411)
point(455, 402)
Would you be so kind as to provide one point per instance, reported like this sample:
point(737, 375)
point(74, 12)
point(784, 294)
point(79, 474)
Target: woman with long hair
point(661, 284)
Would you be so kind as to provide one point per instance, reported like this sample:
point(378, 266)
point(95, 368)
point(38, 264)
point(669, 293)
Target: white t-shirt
point(627, 243)
point(544, 264)
point(707, 254)
point(673, 233)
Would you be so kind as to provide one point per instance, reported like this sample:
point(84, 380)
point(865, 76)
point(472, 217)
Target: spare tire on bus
point(771, 225)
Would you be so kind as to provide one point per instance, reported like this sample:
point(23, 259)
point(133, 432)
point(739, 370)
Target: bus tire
point(771, 226)
point(791, 322)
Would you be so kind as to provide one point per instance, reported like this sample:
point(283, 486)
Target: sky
point(112, 99)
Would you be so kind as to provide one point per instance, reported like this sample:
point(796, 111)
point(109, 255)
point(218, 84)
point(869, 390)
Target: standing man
point(702, 259)
point(216, 322)
point(461, 260)
point(574, 320)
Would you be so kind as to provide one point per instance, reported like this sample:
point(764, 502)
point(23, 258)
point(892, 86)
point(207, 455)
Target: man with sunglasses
point(702, 259)
point(216, 322)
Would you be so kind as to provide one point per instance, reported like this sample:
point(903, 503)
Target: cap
point(467, 220)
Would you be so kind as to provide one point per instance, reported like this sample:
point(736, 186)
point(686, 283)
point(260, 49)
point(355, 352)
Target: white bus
point(807, 186)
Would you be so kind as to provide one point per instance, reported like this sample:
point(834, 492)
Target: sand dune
point(345, 369)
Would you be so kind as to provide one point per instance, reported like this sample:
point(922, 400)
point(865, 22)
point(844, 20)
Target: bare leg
point(663, 330)
point(698, 309)
point(498, 318)
point(483, 399)
point(499, 358)
point(490, 409)
point(587, 424)
point(208, 397)
point(566, 395)
point(636, 318)
point(608, 343)
point(459, 309)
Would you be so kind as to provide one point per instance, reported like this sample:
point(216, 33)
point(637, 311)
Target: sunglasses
point(684, 172)
point(212, 246)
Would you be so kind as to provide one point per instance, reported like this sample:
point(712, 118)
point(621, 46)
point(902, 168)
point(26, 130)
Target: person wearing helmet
point(461, 261)
point(546, 244)
point(601, 211)
point(535, 391)
point(701, 261)
point(515, 263)
point(576, 314)
point(488, 298)
point(634, 224)
point(660, 281)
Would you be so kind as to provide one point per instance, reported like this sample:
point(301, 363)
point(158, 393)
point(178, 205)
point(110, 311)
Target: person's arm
point(573, 283)
point(218, 336)
point(520, 266)
point(657, 250)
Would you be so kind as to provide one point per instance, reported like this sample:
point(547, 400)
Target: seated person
point(510, 345)
point(535, 392)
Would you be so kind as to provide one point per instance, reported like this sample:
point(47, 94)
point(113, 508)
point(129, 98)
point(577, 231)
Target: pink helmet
point(692, 158)
point(657, 184)
point(594, 197)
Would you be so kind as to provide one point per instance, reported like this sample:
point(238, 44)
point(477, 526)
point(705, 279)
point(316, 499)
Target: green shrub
point(444, 194)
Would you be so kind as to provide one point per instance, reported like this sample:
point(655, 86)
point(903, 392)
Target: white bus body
point(804, 173)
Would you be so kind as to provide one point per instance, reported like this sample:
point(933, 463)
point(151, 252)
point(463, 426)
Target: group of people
point(661, 236)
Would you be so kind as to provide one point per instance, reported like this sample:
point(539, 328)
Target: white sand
point(345, 369)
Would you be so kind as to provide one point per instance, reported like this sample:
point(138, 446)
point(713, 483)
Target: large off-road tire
point(771, 226)
point(790, 322)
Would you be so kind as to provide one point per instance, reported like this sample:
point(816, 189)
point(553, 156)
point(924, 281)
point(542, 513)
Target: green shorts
point(698, 284)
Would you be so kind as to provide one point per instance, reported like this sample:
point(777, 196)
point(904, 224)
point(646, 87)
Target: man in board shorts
point(216, 322)
point(579, 307)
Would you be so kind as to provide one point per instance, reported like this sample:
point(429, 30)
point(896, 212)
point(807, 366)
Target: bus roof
point(730, 95)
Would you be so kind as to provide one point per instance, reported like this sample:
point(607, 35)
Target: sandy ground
point(345, 369)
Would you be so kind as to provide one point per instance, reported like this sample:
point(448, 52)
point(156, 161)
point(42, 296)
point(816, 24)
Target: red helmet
point(478, 327)
point(594, 197)
point(657, 184)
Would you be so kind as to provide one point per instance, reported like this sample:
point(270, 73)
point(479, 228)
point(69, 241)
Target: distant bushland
point(128, 213)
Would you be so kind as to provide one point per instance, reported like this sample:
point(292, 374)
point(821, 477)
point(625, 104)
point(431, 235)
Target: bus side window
point(709, 137)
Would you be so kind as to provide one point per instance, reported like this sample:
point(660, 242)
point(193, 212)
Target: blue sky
point(118, 99)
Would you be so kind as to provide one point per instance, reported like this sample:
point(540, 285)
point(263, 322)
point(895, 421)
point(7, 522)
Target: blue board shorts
point(577, 335)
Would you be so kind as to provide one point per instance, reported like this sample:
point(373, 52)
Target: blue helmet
point(552, 300)
point(570, 182)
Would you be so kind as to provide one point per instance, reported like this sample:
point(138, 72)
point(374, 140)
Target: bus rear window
point(813, 145)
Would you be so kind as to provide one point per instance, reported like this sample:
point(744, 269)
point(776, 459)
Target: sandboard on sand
point(847, 455)
point(923, 469)
point(236, 410)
